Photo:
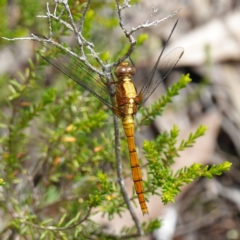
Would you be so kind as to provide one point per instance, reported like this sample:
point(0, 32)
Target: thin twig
point(57, 18)
point(114, 236)
point(61, 13)
point(107, 68)
point(153, 23)
point(75, 30)
point(128, 35)
point(83, 16)
point(55, 9)
point(40, 39)
point(49, 21)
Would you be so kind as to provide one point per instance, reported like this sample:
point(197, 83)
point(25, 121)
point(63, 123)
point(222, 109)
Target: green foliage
point(24, 18)
point(151, 225)
point(161, 154)
point(148, 114)
point(58, 163)
point(69, 144)
point(3, 18)
point(72, 148)
point(2, 182)
point(29, 17)
point(141, 39)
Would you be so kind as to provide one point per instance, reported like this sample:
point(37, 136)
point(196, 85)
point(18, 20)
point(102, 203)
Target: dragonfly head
point(124, 69)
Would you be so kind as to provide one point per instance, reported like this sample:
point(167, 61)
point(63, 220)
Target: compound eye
point(131, 70)
point(124, 68)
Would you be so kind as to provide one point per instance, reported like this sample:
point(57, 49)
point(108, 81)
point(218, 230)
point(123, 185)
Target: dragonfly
point(120, 96)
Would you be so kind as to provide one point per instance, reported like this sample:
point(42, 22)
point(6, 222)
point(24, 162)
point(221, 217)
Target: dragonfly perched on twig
point(120, 96)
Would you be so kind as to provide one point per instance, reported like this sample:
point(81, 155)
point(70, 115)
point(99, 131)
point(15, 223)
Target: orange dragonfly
point(120, 96)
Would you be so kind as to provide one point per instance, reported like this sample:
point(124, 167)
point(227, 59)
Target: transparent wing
point(165, 67)
point(75, 69)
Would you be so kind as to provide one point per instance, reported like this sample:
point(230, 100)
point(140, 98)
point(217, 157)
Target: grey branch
point(49, 21)
point(148, 23)
point(84, 15)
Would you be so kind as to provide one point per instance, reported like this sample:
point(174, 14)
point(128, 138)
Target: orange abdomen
point(128, 125)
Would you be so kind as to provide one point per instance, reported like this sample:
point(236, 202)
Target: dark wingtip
point(181, 54)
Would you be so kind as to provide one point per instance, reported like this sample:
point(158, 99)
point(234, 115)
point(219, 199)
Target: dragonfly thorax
point(124, 69)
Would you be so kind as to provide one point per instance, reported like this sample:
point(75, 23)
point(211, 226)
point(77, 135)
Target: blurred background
point(209, 32)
